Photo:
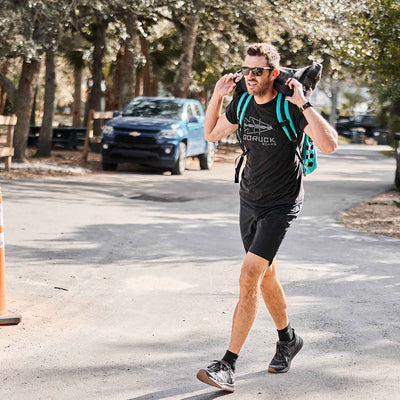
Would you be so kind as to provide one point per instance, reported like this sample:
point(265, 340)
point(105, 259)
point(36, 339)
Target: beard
point(261, 89)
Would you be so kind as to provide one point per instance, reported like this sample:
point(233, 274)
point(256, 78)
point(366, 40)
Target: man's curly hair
point(265, 50)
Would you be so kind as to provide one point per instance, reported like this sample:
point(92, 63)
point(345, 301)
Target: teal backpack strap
point(279, 115)
point(244, 109)
point(308, 155)
point(289, 118)
point(287, 125)
point(240, 103)
point(240, 112)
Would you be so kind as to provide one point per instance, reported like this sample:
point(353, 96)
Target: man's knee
point(249, 278)
point(253, 270)
point(269, 278)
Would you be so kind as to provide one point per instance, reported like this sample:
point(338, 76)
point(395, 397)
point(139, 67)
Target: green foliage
point(28, 28)
point(359, 37)
point(374, 46)
point(374, 52)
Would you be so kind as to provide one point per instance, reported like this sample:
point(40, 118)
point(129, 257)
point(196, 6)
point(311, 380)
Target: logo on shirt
point(254, 129)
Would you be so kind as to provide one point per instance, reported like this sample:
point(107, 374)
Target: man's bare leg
point(289, 343)
point(218, 373)
point(274, 297)
point(253, 270)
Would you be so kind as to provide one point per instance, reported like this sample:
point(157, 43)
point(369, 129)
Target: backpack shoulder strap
point(282, 105)
point(287, 125)
point(288, 117)
point(240, 112)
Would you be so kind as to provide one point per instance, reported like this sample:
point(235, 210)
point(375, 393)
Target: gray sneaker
point(218, 374)
point(285, 351)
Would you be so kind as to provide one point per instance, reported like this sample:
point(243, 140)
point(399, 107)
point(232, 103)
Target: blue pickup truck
point(159, 132)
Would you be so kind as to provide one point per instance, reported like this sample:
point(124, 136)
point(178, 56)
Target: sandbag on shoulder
point(309, 77)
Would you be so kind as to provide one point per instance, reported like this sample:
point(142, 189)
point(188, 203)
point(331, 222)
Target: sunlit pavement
point(126, 283)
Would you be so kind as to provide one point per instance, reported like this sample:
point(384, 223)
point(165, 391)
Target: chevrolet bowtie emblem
point(135, 134)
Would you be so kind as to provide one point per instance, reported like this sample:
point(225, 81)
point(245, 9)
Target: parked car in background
point(397, 173)
point(364, 124)
point(343, 126)
point(158, 132)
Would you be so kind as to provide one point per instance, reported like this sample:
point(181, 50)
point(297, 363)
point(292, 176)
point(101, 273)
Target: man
point(271, 195)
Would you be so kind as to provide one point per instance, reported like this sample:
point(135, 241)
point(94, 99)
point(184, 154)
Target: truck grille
point(135, 140)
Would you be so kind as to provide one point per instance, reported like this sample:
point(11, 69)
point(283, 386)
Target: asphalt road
point(126, 283)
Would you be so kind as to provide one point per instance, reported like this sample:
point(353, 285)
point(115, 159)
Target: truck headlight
point(168, 133)
point(108, 130)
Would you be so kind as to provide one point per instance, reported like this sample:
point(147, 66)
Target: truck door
point(198, 124)
point(194, 126)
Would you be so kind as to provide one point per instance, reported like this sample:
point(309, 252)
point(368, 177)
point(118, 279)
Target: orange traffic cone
point(5, 318)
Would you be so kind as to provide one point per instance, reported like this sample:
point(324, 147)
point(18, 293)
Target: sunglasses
point(257, 71)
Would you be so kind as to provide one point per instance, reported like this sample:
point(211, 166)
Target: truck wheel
point(207, 159)
point(180, 165)
point(109, 166)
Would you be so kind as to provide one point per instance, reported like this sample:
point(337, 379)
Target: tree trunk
point(7, 85)
point(3, 98)
point(127, 77)
point(147, 81)
point(334, 102)
point(138, 83)
point(23, 106)
point(3, 91)
point(76, 105)
point(46, 131)
point(32, 121)
point(113, 91)
point(183, 73)
point(128, 67)
point(97, 68)
point(87, 102)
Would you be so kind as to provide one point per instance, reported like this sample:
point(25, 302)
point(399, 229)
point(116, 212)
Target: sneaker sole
point(205, 378)
point(297, 349)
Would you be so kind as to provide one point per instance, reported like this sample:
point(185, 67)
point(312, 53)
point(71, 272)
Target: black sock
point(230, 358)
point(286, 334)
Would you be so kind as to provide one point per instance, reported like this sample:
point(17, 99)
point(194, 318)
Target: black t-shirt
point(273, 172)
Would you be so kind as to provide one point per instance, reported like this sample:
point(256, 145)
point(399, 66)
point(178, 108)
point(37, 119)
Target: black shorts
point(263, 228)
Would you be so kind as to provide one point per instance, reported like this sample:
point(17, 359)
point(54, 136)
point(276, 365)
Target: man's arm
point(217, 126)
point(320, 131)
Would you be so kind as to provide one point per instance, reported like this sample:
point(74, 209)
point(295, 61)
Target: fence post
point(7, 150)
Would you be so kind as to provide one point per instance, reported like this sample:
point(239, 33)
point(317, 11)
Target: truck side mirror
point(193, 120)
point(116, 114)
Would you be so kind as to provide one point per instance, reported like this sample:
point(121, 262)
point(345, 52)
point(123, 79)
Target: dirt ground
point(379, 215)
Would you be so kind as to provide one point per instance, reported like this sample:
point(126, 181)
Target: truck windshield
point(153, 108)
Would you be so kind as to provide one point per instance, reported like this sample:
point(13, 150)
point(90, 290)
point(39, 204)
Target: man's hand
point(298, 97)
point(225, 85)
point(319, 130)
point(217, 126)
